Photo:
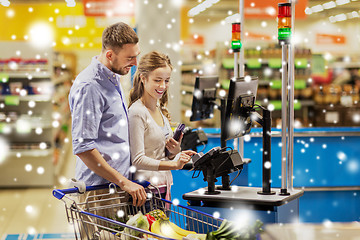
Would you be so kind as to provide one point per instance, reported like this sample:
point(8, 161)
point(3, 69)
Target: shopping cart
point(104, 215)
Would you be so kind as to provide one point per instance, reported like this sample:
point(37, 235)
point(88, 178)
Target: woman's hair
point(148, 63)
point(117, 35)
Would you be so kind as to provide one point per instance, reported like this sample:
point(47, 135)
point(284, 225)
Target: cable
point(224, 148)
point(204, 146)
point(195, 172)
point(239, 171)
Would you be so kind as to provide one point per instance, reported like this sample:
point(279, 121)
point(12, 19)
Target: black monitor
point(240, 103)
point(204, 97)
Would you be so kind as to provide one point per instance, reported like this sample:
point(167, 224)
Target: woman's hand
point(184, 158)
point(173, 146)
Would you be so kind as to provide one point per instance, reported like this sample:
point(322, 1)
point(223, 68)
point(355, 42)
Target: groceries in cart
point(157, 222)
point(160, 224)
point(108, 213)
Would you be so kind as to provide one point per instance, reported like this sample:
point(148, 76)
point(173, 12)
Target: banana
point(166, 229)
point(181, 231)
point(155, 227)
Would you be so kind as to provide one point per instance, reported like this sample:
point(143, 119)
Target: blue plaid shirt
point(99, 120)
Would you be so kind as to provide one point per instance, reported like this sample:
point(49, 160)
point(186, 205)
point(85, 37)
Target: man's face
point(124, 59)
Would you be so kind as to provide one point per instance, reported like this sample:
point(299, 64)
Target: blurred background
point(45, 44)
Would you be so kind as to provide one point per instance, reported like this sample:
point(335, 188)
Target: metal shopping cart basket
point(103, 215)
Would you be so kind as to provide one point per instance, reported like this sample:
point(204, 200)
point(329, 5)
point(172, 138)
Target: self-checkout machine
point(238, 112)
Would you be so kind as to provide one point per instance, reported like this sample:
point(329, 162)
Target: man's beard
point(121, 71)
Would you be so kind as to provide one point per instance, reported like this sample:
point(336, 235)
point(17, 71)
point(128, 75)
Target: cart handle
point(60, 193)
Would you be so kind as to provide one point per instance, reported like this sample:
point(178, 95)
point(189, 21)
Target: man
point(99, 114)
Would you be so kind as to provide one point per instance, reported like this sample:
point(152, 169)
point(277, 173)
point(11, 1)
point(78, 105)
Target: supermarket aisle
point(35, 210)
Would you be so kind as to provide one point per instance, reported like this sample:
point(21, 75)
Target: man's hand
point(97, 163)
point(136, 191)
point(173, 146)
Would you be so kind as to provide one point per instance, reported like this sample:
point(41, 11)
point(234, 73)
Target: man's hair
point(117, 35)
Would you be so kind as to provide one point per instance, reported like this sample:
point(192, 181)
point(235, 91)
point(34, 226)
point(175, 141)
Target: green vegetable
point(228, 230)
point(139, 221)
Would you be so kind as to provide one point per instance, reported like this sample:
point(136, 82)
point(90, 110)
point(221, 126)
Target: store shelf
point(190, 66)
point(35, 76)
point(31, 152)
point(28, 75)
point(35, 98)
point(298, 104)
point(344, 65)
point(187, 88)
point(256, 63)
point(32, 124)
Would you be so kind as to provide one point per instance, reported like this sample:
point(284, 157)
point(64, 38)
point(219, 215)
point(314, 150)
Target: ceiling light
point(342, 2)
point(329, 5)
point(308, 11)
point(234, 18)
point(355, 14)
point(5, 3)
point(349, 15)
point(201, 7)
point(332, 19)
point(317, 8)
point(340, 17)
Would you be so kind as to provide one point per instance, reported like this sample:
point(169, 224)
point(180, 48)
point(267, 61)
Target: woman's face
point(157, 82)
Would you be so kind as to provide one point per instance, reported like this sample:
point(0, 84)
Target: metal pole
point(291, 99)
point(284, 118)
point(236, 69)
point(240, 140)
point(241, 63)
point(266, 168)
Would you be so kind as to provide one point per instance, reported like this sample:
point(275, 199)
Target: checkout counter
point(326, 169)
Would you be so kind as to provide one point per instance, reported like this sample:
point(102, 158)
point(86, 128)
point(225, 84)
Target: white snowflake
point(352, 166)
point(216, 214)
point(40, 170)
point(176, 202)
point(115, 156)
point(120, 213)
point(341, 155)
point(155, 180)
point(122, 122)
point(132, 169)
point(28, 167)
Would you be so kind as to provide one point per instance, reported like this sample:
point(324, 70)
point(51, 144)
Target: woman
point(150, 131)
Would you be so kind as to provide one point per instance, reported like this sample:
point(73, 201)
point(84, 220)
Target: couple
point(107, 137)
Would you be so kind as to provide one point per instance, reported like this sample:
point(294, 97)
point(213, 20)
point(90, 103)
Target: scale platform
point(243, 195)
point(246, 202)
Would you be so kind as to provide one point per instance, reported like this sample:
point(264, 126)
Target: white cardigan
point(147, 145)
